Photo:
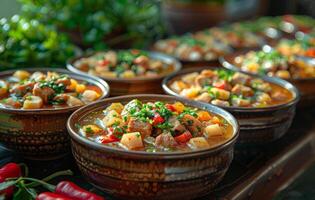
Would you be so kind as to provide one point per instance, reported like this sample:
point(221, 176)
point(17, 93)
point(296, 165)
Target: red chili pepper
point(184, 137)
point(73, 191)
point(157, 119)
point(10, 170)
point(52, 196)
point(170, 107)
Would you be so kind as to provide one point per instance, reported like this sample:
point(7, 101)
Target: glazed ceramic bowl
point(145, 175)
point(258, 126)
point(304, 85)
point(40, 134)
point(123, 86)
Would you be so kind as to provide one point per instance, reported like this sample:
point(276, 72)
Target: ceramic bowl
point(40, 134)
point(258, 126)
point(144, 175)
point(124, 86)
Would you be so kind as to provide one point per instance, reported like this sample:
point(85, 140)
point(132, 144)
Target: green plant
point(28, 43)
point(89, 22)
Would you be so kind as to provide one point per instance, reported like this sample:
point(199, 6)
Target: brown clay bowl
point(40, 134)
point(258, 126)
point(304, 85)
point(144, 175)
point(123, 86)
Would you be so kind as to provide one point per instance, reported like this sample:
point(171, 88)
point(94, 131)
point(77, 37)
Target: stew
point(192, 48)
point(25, 90)
point(155, 127)
point(227, 88)
point(273, 63)
point(123, 64)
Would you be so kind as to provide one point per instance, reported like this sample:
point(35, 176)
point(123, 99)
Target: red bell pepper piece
point(74, 192)
point(170, 107)
point(52, 196)
point(219, 84)
point(157, 119)
point(184, 137)
point(103, 63)
point(109, 139)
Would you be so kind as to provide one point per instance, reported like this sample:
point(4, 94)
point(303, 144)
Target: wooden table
point(249, 177)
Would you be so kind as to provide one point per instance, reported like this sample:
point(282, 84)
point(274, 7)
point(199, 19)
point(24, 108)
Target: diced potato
point(108, 74)
point(128, 74)
point(220, 93)
point(213, 130)
point(38, 76)
point(263, 98)
point(80, 88)
point(218, 102)
point(178, 86)
point(190, 78)
point(179, 107)
point(283, 74)
point(240, 102)
point(21, 74)
point(252, 67)
point(3, 88)
point(118, 107)
point(203, 115)
point(73, 85)
point(198, 143)
point(73, 101)
point(204, 97)
point(32, 102)
point(132, 140)
point(90, 95)
point(111, 118)
point(190, 92)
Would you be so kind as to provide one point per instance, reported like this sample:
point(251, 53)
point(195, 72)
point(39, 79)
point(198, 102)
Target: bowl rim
point(103, 85)
point(143, 154)
point(152, 54)
point(284, 84)
point(228, 65)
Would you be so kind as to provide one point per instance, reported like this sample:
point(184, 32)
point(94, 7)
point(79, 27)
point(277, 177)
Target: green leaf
point(7, 184)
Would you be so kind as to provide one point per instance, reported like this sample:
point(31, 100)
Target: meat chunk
point(165, 140)
point(192, 124)
point(64, 81)
point(239, 89)
point(21, 90)
point(204, 97)
point(218, 102)
point(45, 93)
point(202, 81)
point(176, 125)
point(136, 125)
point(239, 78)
